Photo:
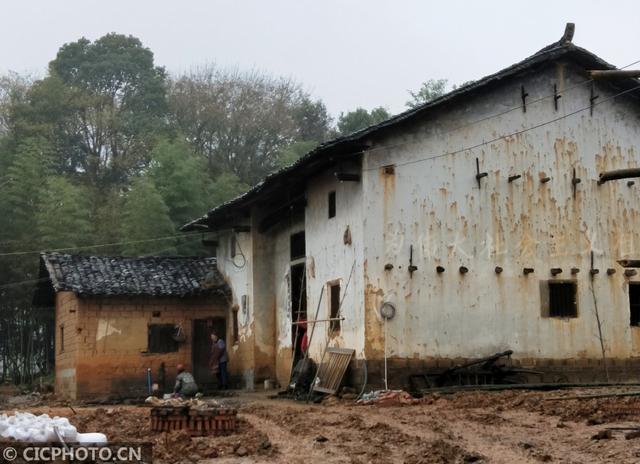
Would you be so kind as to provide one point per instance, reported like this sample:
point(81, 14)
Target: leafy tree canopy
point(146, 216)
point(63, 217)
point(360, 118)
point(430, 90)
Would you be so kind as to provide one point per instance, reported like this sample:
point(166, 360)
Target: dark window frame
point(234, 324)
point(297, 246)
point(233, 245)
point(331, 203)
point(334, 306)
point(562, 299)
point(160, 338)
point(62, 339)
point(634, 304)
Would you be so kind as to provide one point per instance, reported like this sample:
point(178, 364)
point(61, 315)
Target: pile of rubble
point(191, 403)
point(387, 398)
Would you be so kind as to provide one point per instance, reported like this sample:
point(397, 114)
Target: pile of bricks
point(196, 421)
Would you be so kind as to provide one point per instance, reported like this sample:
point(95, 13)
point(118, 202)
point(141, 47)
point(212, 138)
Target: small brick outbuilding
point(117, 317)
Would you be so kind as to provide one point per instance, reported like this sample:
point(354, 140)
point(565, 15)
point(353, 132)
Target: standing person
point(218, 360)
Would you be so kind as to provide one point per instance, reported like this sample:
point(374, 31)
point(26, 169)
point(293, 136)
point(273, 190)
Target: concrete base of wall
point(554, 371)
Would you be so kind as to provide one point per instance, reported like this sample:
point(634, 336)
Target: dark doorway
point(298, 309)
point(201, 349)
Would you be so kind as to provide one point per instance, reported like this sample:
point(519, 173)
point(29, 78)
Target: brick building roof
point(129, 276)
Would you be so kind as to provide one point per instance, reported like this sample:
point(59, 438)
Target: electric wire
point(503, 112)
point(84, 247)
point(42, 279)
point(496, 139)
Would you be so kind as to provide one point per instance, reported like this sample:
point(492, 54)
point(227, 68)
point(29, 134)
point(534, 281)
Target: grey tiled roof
point(146, 276)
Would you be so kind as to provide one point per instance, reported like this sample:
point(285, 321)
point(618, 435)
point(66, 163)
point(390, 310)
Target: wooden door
point(201, 348)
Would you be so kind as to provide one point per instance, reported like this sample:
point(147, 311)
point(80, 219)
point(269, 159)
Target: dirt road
point(496, 427)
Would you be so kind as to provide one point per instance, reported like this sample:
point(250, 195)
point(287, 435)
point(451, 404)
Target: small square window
point(297, 246)
point(161, 338)
point(634, 304)
point(562, 299)
point(332, 204)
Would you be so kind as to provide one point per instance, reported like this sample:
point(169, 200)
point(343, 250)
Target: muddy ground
point(489, 427)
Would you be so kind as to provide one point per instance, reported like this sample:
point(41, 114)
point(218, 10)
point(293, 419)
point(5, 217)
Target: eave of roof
point(129, 276)
point(357, 140)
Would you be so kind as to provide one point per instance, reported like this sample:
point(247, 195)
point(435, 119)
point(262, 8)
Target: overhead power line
point(42, 279)
point(85, 247)
point(496, 139)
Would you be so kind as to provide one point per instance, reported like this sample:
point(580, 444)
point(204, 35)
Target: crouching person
point(186, 386)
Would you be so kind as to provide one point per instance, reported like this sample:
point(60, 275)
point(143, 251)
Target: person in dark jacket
point(218, 360)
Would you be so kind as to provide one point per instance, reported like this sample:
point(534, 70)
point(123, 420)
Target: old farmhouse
point(123, 323)
point(493, 218)
point(482, 221)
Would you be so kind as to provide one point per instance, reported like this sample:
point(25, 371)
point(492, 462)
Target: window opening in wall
point(161, 338)
point(334, 293)
point(332, 204)
point(61, 339)
point(236, 333)
point(634, 304)
point(563, 299)
point(297, 246)
point(232, 245)
point(298, 310)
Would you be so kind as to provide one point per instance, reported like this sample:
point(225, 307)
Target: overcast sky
point(349, 53)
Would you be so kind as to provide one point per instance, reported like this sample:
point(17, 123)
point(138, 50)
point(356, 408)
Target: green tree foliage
point(430, 90)
point(63, 217)
point(180, 176)
point(25, 341)
point(146, 216)
point(103, 104)
point(360, 118)
point(225, 187)
point(293, 152)
point(22, 189)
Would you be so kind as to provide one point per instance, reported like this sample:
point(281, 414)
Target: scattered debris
point(632, 435)
point(388, 398)
point(192, 403)
point(603, 435)
point(491, 370)
point(242, 451)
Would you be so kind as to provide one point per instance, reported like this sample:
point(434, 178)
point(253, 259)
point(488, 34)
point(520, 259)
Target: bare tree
point(241, 122)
